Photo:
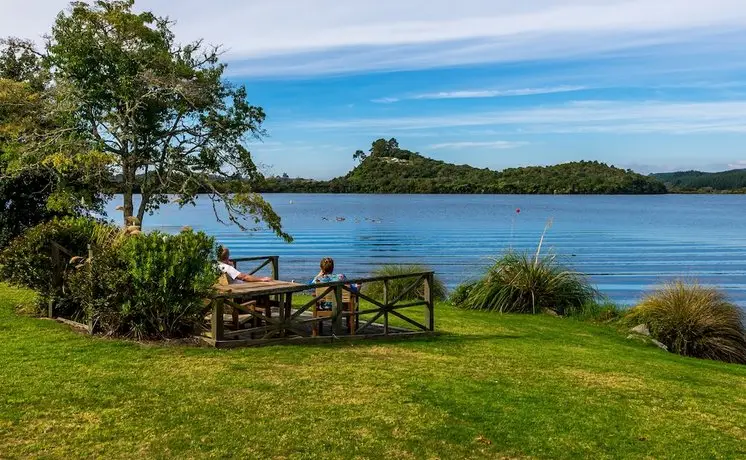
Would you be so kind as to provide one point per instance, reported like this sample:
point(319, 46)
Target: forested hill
point(389, 169)
point(696, 181)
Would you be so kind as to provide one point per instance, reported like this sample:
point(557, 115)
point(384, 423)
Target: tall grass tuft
point(396, 287)
point(694, 320)
point(527, 283)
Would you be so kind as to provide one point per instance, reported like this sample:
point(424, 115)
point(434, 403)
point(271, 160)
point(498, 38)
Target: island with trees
point(388, 168)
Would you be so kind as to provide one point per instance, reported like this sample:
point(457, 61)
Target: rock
point(659, 345)
point(642, 329)
point(549, 312)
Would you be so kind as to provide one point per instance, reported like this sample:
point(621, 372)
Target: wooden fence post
point(337, 327)
point(386, 310)
point(276, 267)
point(216, 322)
point(56, 280)
point(430, 310)
point(89, 320)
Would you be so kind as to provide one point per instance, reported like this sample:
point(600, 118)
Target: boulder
point(642, 329)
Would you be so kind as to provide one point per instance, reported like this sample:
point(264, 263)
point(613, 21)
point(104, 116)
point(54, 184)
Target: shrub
point(398, 286)
point(99, 285)
point(693, 320)
point(595, 311)
point(527, 283)
point(27, 261)
point(168, 277)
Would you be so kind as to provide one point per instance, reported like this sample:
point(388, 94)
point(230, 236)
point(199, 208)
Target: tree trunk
point(128, 176)
point(128, 206)
point(144, 198)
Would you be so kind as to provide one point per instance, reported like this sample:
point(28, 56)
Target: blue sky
point(652, 85)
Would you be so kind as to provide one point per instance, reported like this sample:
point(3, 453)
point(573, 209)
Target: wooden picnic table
point(261, 292)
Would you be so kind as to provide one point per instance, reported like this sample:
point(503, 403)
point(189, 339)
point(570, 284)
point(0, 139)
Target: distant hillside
point(390, 169)
point(697, 181)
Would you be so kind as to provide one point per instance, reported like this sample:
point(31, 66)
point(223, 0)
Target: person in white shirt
point(234, 276)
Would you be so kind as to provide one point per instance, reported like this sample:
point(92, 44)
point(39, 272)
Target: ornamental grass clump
point(527, 283)
point(693, 320)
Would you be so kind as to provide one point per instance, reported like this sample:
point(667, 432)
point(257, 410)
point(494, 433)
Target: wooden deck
point(262, 313)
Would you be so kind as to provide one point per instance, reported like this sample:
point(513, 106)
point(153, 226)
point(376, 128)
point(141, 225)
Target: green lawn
point(492, 386)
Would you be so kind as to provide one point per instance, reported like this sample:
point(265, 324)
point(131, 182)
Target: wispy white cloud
point(500, 145)
point(385, 100)
point(297, 37)
point(482, 93)
point(489, 93)
point(740, 164)
point(574, 117)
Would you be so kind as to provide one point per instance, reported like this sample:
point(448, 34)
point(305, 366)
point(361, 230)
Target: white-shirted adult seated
point(235, 276)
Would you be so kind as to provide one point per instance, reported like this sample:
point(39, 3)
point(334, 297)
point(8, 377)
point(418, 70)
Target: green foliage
point(27, 261)
point(184, 127)
point(597, 312)
point(397, 287)
point(694, 320)
point(527, 283)
point(169, 278)
point(146, 286)
point(390, 169)
point(697, 181)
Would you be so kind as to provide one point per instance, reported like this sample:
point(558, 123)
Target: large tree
point(159, 112)
point(35, 184)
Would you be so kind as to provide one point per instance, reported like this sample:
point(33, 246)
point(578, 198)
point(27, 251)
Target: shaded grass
point(492, 386)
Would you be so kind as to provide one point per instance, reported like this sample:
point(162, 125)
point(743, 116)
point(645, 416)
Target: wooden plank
point(406, 291)
point(216, 323)
point(266, 262)
point(420, 303)
point(409, 320)
point(314, 340)
point(282, 287)
point(275, 267)
point(72, 323)
point(337, 328)
point(430, 310)
point(371, 321)
point(369, 299)
point(386, 307)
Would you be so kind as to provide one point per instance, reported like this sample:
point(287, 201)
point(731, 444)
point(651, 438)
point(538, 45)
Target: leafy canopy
point(155, 113)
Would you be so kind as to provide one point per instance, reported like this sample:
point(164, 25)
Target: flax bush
point(693, 320)
point(527, 283)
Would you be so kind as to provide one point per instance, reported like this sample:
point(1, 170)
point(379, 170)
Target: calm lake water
point(627, 244)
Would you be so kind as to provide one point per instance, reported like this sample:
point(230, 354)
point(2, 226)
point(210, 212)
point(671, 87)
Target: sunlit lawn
point(490, 386)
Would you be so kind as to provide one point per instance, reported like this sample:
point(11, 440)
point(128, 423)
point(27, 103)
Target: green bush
point(27, 261)
point(527, 283)
point(693, 320)
point(168, 278)
point(396, 287)
point(594, 311)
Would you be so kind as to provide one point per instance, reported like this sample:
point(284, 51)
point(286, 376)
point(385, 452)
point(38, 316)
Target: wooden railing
point(287, 324)
point(272, 261)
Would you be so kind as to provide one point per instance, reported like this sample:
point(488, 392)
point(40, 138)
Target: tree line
point(387, 168)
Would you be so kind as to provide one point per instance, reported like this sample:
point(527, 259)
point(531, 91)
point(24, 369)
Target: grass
point(492, 386)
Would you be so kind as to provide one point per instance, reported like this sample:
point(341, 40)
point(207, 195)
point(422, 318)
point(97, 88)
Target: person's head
point(223, 254)
point(327, 265)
